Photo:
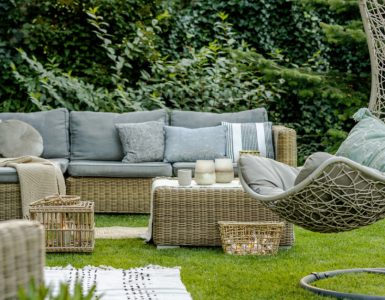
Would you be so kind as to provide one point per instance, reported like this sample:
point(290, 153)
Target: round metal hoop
point(307, 280)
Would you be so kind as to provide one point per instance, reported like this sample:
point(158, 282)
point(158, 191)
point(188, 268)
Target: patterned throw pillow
point(249, 136)
point(365, 143)
point(142, 142)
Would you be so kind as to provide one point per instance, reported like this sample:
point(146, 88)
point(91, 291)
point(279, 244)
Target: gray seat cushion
point(92, 168)
point(52, 125)
point(193, 119)
point(191, 166)
point(94, 136)
point(9, 175)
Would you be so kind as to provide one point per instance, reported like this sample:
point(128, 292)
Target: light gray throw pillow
point(18, 138)
point(185, 144)
point(142, 142)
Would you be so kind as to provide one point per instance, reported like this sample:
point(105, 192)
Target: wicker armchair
point(21, 256)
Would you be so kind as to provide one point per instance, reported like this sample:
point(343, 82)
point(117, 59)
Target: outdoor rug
point(150, 282)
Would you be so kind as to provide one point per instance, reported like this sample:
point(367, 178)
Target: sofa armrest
point(285, 145)
point(22, 255)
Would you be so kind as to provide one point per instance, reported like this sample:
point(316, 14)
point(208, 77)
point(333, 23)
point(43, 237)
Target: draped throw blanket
point(38, 178)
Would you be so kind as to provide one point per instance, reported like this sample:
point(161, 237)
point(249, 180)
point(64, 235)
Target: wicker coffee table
point(190, 215)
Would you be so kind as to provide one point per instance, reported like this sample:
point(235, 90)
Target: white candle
point(224, 170)
point(205, 172)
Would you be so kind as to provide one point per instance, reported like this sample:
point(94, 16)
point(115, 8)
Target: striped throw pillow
point(249, 136)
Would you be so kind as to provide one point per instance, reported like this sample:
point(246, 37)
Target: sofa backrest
point(53, 125)
point(192, 119)
point(94, 136)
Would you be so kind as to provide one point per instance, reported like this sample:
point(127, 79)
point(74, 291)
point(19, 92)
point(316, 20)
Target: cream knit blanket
point(38, 178)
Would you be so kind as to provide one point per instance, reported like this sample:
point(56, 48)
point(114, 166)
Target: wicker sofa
point(86, 145)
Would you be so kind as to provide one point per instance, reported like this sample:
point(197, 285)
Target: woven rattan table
point(190, 215)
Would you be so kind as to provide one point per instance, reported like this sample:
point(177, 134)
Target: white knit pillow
point(18, 138)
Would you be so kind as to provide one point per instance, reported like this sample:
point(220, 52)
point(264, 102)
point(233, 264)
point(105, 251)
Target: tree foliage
point(305, 60)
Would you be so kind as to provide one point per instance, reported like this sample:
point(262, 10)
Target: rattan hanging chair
point(341, 195)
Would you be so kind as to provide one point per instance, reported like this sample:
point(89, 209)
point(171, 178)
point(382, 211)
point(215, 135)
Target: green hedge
point(305, 60)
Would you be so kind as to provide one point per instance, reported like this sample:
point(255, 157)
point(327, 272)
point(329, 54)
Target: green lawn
point(210, 274)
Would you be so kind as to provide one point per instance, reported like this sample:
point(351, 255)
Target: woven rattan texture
point(21, 256)
point(10, 201)
point(340, 199)
point(189, 216)
point(252, 238)
point(68, 228)
point(373, 16)
point(285, 145)
point(119, 195)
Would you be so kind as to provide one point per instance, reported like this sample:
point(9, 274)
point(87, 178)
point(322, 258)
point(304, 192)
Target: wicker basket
point(250, 238)
point(68, 222)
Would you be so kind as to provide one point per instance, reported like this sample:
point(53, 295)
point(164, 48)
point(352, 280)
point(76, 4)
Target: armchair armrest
point(285, 145)
point(22, 255)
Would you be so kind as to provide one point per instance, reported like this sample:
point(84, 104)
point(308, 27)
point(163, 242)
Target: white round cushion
point(18, 138)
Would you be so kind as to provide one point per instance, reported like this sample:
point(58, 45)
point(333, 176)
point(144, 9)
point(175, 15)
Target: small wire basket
point(68, 222)
point(250, 238)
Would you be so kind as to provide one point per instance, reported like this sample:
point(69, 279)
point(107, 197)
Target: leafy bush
point(305, 60)
point(222, 76)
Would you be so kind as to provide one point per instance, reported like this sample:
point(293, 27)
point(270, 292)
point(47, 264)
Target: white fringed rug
point(150, 282)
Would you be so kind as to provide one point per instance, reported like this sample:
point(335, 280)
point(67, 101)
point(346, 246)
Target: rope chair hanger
point(341, 195)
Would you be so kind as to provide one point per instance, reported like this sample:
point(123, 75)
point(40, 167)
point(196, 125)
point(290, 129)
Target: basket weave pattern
point(189, 216)
point(68, 222)
point(250, 238)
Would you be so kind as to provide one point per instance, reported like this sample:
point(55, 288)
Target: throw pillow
point(18, 138)
point(311, 164)
point(186, 145)
point(249, 136)
point(142, 142)
point(365, 143)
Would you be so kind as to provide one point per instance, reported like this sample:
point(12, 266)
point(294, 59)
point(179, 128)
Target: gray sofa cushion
point(92, 168)
point(191, 166)
point(192, 119)
point(9, 175)
point(53, 127)
point(185, 144)
point(94, 136)
point(142, 142)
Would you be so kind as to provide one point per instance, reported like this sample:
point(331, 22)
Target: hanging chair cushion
point(266, 176)
point(366, 141)
point(311, 164)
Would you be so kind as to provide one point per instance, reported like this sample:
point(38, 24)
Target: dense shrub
point(305, 60)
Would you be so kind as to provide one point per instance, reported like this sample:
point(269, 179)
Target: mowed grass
point(210, 274)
